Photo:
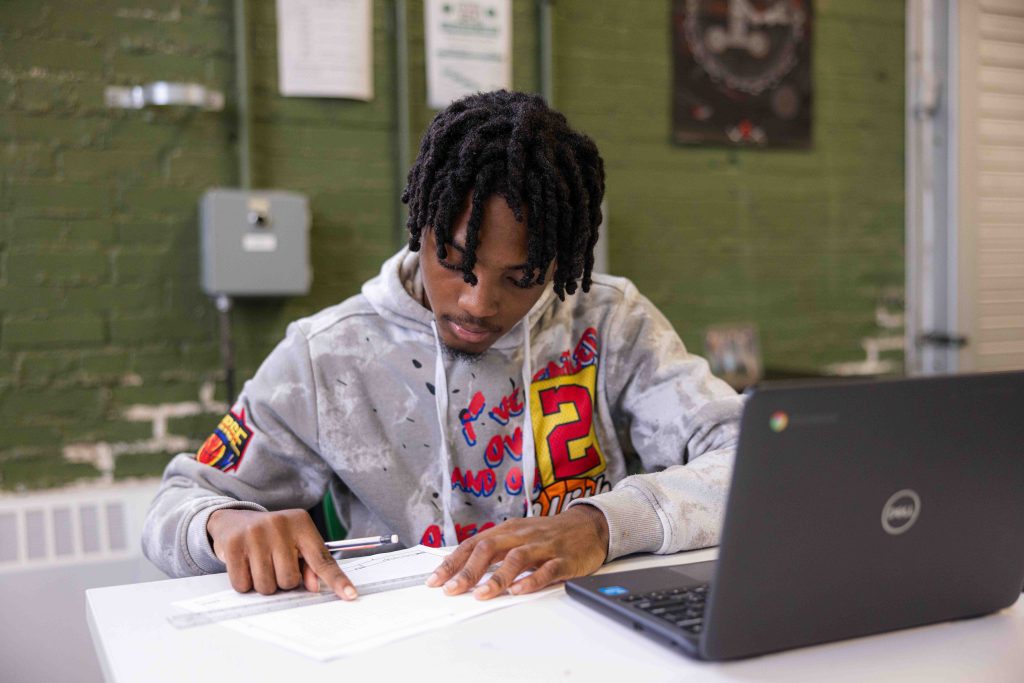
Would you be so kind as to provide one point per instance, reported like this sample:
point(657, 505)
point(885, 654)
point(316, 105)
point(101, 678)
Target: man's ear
point(550, 274)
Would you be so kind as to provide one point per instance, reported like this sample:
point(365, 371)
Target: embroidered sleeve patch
point(226, 446)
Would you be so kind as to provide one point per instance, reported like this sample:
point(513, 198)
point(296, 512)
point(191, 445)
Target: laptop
point(855, 508)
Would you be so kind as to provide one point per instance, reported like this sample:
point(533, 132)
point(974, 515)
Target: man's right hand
point(271, 550)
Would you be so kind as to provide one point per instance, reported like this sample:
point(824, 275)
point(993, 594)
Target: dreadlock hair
point(514, 145)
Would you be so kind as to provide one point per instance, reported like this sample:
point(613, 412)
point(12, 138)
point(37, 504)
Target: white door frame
point(932, 342)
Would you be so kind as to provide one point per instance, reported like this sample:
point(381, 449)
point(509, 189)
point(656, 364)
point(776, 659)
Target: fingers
point(515, 563)
point(264, 579)
point(233, 557)
point(454, 563)
point(273, 558)
point(238, 573)
point(319, 560)
point(451, 564)
point(552, 571)
point(262, 550)
point(466, 573)
point(309, 578)
point(557, 548)
point(286, 567)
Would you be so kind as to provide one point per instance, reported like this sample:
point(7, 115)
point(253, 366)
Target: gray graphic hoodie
point(361, 398)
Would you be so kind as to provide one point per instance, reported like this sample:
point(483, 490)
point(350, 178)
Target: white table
point(551, 639)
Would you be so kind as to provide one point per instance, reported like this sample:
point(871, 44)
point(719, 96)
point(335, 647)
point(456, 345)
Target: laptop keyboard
point(681, 607)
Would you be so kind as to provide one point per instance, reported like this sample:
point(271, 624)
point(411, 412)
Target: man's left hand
point(573, 543)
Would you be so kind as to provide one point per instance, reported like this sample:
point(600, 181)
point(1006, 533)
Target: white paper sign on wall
point(325, 48)
point(469, 48)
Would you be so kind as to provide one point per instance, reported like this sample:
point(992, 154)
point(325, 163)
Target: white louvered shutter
point(990, 167)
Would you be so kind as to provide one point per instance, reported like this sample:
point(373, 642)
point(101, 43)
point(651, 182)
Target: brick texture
point(803, 243)
point(100, 305)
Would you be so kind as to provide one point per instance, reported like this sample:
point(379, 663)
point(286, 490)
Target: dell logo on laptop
point(900, 511)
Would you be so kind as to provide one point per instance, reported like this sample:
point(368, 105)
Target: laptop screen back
point(863, 507)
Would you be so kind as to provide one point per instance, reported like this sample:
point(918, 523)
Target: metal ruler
point(287, 601)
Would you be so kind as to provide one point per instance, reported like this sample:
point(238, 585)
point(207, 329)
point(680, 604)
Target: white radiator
point(54, 545)
point(88, 523)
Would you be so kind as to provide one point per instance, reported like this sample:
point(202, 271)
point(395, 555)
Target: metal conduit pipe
point(545, 48)
point(402, 116)
point(223, 302)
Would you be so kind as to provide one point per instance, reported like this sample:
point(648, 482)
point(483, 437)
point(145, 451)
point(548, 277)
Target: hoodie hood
point(396, 294)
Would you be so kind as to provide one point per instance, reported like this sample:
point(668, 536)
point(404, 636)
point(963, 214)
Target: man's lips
point(468, 332)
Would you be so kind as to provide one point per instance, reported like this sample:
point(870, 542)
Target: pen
point(361, 543)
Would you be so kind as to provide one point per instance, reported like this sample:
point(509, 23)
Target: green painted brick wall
point(804, 243)
point(100, 306)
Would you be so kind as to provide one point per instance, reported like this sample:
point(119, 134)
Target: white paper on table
point(336, 629)
point(469, 48)
point(325, 48)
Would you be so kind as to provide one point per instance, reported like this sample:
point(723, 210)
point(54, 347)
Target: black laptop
point(855, 508)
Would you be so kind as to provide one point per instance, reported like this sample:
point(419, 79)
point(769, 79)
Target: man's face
point(470, 318)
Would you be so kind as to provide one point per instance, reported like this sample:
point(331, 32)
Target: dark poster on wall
point(742, 72)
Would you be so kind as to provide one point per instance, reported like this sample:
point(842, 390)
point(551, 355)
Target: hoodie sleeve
point(683, 423)
point(263, 455)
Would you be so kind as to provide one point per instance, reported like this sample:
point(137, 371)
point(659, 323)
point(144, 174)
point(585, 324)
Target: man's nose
point(479, 300)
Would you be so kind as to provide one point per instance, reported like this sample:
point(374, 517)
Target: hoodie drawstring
point(529, 460)
point(529, 456)
point(441, 402)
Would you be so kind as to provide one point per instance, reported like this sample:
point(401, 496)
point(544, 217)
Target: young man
point(467, 394)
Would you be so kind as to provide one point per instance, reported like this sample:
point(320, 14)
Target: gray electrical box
point(254, 243)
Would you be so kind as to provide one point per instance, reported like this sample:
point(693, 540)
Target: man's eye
point(450, 266)
point(518, 282)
